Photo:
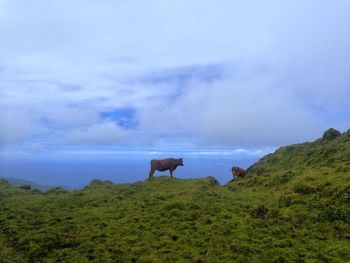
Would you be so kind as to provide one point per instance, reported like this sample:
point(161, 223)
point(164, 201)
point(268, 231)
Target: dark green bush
point(36, 191)
point(260, 211)
point(288, 199)
point(4, 182)
point(333, 214)
point(174, 205)
point(26, 187)
point(96, 182)
point(304, 189)
point(331, 134)
point(57, 190)
point(286, 177)
point(213, 181)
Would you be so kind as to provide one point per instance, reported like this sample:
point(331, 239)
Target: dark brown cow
point(238, 172)
point(166, 164)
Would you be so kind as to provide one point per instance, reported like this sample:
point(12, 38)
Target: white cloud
point(236, 111)
point(100, 133)
point(16, 126)
point(284, 71)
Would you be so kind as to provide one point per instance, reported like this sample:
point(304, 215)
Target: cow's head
point(181, 162)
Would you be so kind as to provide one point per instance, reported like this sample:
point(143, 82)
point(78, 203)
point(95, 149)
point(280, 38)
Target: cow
point(166, 164)
point(238, 172)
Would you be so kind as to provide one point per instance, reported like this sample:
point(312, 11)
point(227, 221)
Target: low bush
point(26, 187)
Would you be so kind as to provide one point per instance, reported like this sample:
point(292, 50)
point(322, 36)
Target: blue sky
point(220, 77)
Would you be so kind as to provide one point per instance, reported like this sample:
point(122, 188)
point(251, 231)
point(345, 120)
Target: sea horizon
point(75, 170)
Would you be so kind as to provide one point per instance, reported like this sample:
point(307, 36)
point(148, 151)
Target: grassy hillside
point(293, 206)
point(25, 183)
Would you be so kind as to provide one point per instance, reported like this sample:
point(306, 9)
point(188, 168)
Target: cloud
point(16, 126)
point(237, 111)
point(242, 75)
point(104, 133)
point(182, 76)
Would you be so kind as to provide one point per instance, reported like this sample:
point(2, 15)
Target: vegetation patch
point(293, 206)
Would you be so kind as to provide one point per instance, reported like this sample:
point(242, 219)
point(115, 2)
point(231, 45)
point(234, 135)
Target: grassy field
point(293, 206)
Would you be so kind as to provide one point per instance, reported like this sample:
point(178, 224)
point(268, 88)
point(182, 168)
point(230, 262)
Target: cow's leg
point(171, 173)
point(151, 172)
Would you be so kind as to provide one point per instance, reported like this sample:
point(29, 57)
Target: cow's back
point(161, 165)
point(164, 164)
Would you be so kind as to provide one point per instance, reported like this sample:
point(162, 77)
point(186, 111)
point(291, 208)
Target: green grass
point(293, 206)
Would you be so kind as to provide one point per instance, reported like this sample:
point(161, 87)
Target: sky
point(202, 77)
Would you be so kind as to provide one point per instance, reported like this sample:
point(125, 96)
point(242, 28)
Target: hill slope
point(293, 206)
point(20, 182)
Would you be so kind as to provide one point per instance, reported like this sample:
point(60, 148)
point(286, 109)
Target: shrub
point(288, 200)
point(258, 170)
point(99, 183)
point(57, 190)
point(238, 247)
point(175, 213)
point(213, 181)
point(36, 191)
point(332, 214)
point(96, 182)
point(331, 134)
point(260, 211)
point(26, 187)
point(274, 213)
point(174, 205)
point(4, 182)
point(304, 189)
point(286, 177)
point(280, 259)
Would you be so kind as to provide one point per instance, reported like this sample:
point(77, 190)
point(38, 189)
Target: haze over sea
point(78, 169)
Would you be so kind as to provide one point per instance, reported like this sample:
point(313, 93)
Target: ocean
point(76, 172)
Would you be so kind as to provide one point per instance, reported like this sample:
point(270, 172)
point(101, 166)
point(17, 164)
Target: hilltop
point(293, 206)
point(331, 153)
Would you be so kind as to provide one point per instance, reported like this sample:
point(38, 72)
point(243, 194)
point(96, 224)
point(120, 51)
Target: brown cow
point(166, 164)
point(238, 172)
